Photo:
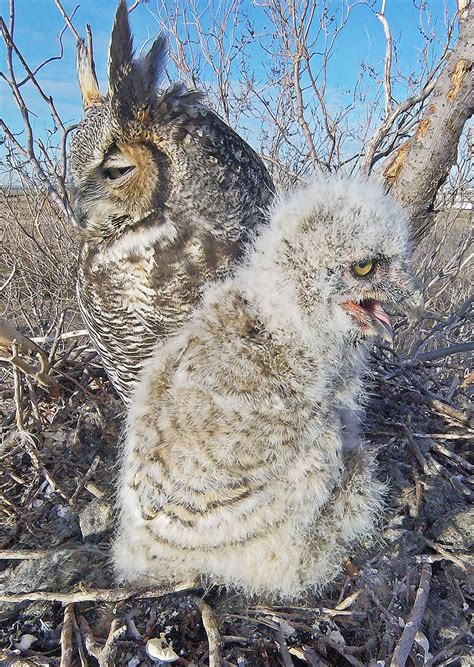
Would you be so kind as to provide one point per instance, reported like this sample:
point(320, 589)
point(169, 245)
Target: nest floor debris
point(402, 599)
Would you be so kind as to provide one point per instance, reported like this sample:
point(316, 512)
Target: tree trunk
point(422, 164)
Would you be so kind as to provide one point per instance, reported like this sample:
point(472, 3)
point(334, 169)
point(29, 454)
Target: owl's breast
point(131, 302)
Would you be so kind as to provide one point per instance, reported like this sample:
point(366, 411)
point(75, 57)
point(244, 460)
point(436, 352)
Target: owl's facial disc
point(370, 317)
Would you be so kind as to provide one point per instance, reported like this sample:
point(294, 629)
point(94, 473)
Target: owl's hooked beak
point(373, 320)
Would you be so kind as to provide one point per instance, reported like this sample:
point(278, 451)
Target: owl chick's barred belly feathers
point(242, 462)
point(166, 196)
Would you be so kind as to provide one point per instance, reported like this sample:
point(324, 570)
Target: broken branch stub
point(40, 370)
point(421, 165)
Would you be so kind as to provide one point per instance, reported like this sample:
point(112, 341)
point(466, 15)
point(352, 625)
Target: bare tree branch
point(387, 79)
point(422, 164)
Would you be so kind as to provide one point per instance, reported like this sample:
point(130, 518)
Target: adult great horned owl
point(166, 195)
point(242, 462)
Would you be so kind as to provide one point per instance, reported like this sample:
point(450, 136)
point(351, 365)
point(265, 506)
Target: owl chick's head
point(118, 164)
point(342, 251)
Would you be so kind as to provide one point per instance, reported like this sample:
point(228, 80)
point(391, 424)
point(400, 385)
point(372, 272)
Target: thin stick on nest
point(67, 649)
point(443, 553)
point(95, 594)
point(25, 554)
point(28, 444)
point(92, 646)
point(285, 654)
point(17, 389)
point(339, 649)
point(403, 648)
point(441, 449)
point(212, 631)
point(107, 655)
point(90, 472)
point(416, 451)
point(79, 642)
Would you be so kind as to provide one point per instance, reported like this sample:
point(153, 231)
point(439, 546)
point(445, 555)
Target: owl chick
point(166, 196)
point(242, 462)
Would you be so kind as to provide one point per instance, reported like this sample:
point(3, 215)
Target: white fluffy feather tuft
point(243, 462)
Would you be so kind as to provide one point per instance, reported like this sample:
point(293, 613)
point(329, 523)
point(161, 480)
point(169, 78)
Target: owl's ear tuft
point(88, 83)
point(153, 64)
point(132, 83)
point(121, 49)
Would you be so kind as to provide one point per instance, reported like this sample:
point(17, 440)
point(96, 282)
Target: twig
point(344, 604)
point(381, 132)
point(64, 336)
point(9, 279)
point(285, 654)
point(67, 20)
point(450, 411)
point(451, 455)
point(433, 355)
point(339, 649)
point(11, 339)
point(454, 480)
point(95, 594)
point(67, 649)
point(387, 78)
point(18, 392)
point(133, 6)
point(212, 631)
point(55, 185)
point(446, 650)
point(416, 451)
point(8, 657)
point(107, 655)
point(80, 647)
point(403, 648)
point(25, 554)
point(56, 337)
point(28, 444)
point(94, 489)
point(447, 555)
point(91, 470)
point(92, 646)
point(445, 436)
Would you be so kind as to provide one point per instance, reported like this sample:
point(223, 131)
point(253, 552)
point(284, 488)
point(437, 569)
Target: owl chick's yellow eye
point(363, 269)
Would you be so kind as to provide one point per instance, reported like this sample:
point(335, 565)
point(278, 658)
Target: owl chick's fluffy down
point(242, 462)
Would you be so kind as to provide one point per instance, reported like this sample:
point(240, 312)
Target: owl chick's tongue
point(381, 320)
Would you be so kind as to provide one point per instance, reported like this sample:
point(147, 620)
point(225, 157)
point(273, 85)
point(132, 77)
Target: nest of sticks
point(402, 599)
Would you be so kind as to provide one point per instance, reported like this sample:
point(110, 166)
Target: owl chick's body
point(166, 197)
point(242, 462)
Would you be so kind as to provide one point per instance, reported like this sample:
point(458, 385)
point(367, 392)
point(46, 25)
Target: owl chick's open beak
point(370, 317)
point(373, 320)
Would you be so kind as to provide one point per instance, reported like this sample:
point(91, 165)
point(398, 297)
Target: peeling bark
point(421, 165)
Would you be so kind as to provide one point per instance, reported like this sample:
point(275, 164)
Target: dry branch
point(212, 631)
point(54, 183)
point(403, 648)
point(387, 78)
point(95, 594)
point(67, 649)
point(422, 164)
point(25, 554)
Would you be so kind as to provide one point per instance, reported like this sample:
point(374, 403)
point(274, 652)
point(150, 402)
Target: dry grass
point(38, 251)
point(58, 458)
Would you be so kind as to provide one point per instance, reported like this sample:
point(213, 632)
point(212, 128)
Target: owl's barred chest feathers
point(132, 299)
point(167, 196)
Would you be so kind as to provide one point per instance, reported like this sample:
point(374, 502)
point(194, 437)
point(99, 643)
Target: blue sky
point(38, 22)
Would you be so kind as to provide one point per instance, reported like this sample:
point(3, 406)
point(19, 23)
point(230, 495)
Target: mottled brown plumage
point(167, 195)
point(242, 462)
